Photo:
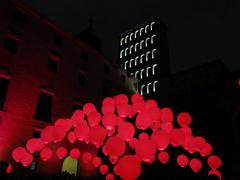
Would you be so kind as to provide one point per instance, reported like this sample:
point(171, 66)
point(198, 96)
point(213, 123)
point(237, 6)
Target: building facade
point(143, 53)
point(46, 74)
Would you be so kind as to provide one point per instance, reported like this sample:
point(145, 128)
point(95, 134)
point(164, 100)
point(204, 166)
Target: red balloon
point(47, 134)
point(163, 157)
point(126, 131)
point(103, 169)
point(199, 143)
point(160, 139)
point(19, 153)
point(34, 145)
point(177, 137)
point(109, 176)
point(97, 135)
point(109, 120)
point(216, 173)
point(151, 104)
point(182, 160)
point(94, 118)
point(120, 99)
point(108, 108)
point(128, 167)
point(82, 131)
point(133, 142)
point(111, 132)
point(96, 161)
point(65, 123)
point(143, 121)
point(75, 153)
point(58, 133)
point(27, 159)
point(143, 136)
point(168, 127)
point(77, 117)
point(139, 106)
point(88, 108)
point(155, 114)
point(146, 151)
point(167, 115)
point(87, 156)
point(206, 150)
point(184, 119)
point(108, 100)
point(9, 168)
point(214, 162)
point(72, 137)
point(113, 159)
point(46, 154)
point(61, 152)
point(135, 97)
point(195, 165)
point(124, 110)
point(115, 146)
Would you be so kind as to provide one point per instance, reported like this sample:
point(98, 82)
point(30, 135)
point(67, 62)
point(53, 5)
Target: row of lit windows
point(137, 46)
point(148, 88)
point(146, 72)
point(139, 60)
point(139, 32)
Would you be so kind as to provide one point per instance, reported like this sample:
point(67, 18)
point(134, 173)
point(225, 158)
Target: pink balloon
point(108, 100)
point(133, 142)
point(65, 123)
point(195, 165)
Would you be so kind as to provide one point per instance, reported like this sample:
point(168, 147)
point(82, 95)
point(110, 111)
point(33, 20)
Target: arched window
point(136, 32)
point(136, 46)
point(141, 31)
point(141, 58)
point(154, 86)
point(148, 87)
point(147, 55)
point(152, 23)
point(136, 60)
point(131, 62)
point(126, 64)
point(126, 39)
point(131, 49)
point(126, 51)
point(141, 75)
point(121, 53)
point(122, 40)
point(131, 36)
point(146, 41)
point(152, 38)
point(142, 89)
point(141, 44)
point(136, 74)
point(148, 69)
point(154, 69)
point(153, 53)
point(146, 28)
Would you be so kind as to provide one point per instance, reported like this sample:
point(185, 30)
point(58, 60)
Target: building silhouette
point(143, 53)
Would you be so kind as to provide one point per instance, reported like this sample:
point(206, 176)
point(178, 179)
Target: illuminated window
point(131, 49)
point(57, 39)
point(136, 74)
point(141, 31)
point(43, 110)
point(142, 72)
point(148, 87)
point(152, 38)
point(126, 39)
point(146, 28)
point(148, 69)
point(121, 53)
point(4, 83)
point(131, 62)
point(142, 89)
point(142, 57)
point(136, 32)
point(136, 60)
point(146, 41)
point(126, 64)
point(131, 36)
point(154, 86)
point(136, 46)
point(154, 69)
point(81, 79)
point(147, 55)
point(10, 44)
point(151, 27)
point(19, 16)
point(141, 44)
point(52, 64)
point(153, 53)
point(126, 51)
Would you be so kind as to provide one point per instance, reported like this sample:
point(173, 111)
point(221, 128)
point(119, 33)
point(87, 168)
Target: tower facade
point(143, 53)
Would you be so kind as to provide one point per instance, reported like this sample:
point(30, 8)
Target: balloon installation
point(113, 131)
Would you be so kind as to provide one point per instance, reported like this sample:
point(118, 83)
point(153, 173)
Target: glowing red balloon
point(184, 119)
point(109, 176)
point(143, 136)
point(115, 146)
point(65, 123)
point(88, 108)
point(177, 137)
point(87, 157)
point(94, 118)
point(195, 165)
point(109, 120)
point(108, 100)
point(199, 143)
point(47, 134)
point(151, 104)
point(82, 131)
point(155, 114)
point(113, 159)
point(215, 173)
point(128, 167)
point(167, 115)
point(143, 121)
point(182, 160)
point(133, 142)
point(72, 137)
point(126, 131)
point(163, 157)
point(96, 161)
point(27, 159)
point(136, 97)
point(103, 169)
point(61, 152)
point(77, 117)
point(58, 133)
point(186, 130)
point(97, 135)
point(124, 110)
point(34, 145)
point(75, 153)
point(46, 154)
point(139, 106)
point(206, 150)
point(120, 99)
point(111, 132)
point(155, 126)
point(160, 139)
point(214, 162)
point(168, 127)
point(146, 151)
point(18, 153)
point(9, 169)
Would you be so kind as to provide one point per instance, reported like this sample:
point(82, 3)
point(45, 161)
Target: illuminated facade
point(45, 74)
point(143, 53)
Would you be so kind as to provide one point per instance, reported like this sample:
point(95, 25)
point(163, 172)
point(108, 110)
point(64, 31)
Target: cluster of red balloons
point(114, 129)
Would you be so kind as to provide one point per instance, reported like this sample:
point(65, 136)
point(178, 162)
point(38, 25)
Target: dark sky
point(199, 30)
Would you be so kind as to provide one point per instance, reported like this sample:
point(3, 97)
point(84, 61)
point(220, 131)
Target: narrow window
point(3, 91)
point(19, 16)
point(43, 110)
point(52, 64)
point(81, 79)
point(57, 39)
point(11, 44)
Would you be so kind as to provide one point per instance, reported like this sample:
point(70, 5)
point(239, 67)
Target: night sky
point(199, 31)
